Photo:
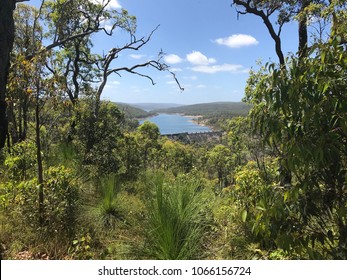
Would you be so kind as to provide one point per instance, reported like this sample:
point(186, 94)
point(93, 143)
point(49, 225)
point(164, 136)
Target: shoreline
point(197, 120)
point(193, 119)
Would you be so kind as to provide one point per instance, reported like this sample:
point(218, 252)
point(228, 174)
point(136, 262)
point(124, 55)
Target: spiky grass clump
point(108, 210)
point(176, 222)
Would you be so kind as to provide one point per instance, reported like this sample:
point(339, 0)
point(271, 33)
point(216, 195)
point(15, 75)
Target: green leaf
point(244, 215)
point(326, 86)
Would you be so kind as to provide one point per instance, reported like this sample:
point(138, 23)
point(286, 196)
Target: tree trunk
point(303, 34)
point(39, 160)
point(6, 44)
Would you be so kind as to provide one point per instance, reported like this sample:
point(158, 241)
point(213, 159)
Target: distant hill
point(209, 109)
point(134, 112)
point(154, 106)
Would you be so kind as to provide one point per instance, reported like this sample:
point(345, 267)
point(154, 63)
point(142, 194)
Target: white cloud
point(137, 56)
point(201, 86)
point(113, 4)
point(237, 41)
point(171, 82)
point(108, 26)
point(197, 58)
point(193, 78)
point(112, 84)
point(172, 59)
point(211, 69)
point(176, 70)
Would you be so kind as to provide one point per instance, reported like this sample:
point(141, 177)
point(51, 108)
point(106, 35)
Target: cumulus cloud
point(172, 59)
point(211, 69)
point(112, 84)
point(113, 4)
point(197, 58)
point(137, 56)
point(176, 70)
point(192, 78)
point(237, 41)
point(171, 82)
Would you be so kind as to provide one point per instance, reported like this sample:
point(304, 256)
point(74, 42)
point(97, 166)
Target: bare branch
point(135, 45)
point(252, 9)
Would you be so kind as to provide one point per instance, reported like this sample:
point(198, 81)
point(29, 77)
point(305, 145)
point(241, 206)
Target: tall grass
point(176, 223)
point(108, 210)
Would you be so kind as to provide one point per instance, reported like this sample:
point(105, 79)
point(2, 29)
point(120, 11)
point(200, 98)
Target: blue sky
point(207, 46)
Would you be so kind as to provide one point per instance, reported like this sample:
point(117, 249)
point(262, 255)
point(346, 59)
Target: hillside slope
point(209, 109)
point(133, 112)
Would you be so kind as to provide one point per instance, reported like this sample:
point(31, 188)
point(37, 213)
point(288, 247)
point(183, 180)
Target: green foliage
point(147, 138)
point(149, 130)
point(176, 220)
point(239, 139)
point(177, 157)
point(20, 163)
point(97, 138)
point(108, 208)
point(81, 247)
point(60, 205)
point(220, 160)
point(209, 109)
point(71, 18)
point(133, 112)
point(113, 207)
point(145, 196)
point(265, 214)
point(130, 154)
point(61, 200)
point(301, 113)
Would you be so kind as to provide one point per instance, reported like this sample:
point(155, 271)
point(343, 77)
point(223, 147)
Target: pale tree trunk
point(39, 163)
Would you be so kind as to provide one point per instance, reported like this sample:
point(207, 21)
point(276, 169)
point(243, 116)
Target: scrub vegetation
point(81, 179)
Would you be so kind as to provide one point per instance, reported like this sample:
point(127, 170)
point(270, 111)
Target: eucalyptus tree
point(69, 25)
point(284, 12)
point(177, 157)
point(275, 14)
point(20, 80)
point(148, 139)
point(79, 65)
point(220, 161)
point(303, 113)
point(299, 109)
point(6, 44)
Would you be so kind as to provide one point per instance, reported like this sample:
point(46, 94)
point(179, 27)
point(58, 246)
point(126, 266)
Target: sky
point(207, 46)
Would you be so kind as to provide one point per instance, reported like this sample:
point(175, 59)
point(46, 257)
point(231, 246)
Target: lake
point(173, 123)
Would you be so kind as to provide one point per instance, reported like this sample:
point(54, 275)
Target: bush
point(176, 220)
point(108, 211)
point(20, 163)
point(60, 201)
point(97, 137)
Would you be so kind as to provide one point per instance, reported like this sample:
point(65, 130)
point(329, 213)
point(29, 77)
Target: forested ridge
point(81, 179)
point(133, 112)
point(214, 114)
point(238, 108)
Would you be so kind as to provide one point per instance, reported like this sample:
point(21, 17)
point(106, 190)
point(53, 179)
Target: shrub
point(176, 215)
point(20, 163)
point(108, 206)
point(60, 201)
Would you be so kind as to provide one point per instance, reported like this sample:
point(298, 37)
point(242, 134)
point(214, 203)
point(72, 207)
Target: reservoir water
point(173, 123)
